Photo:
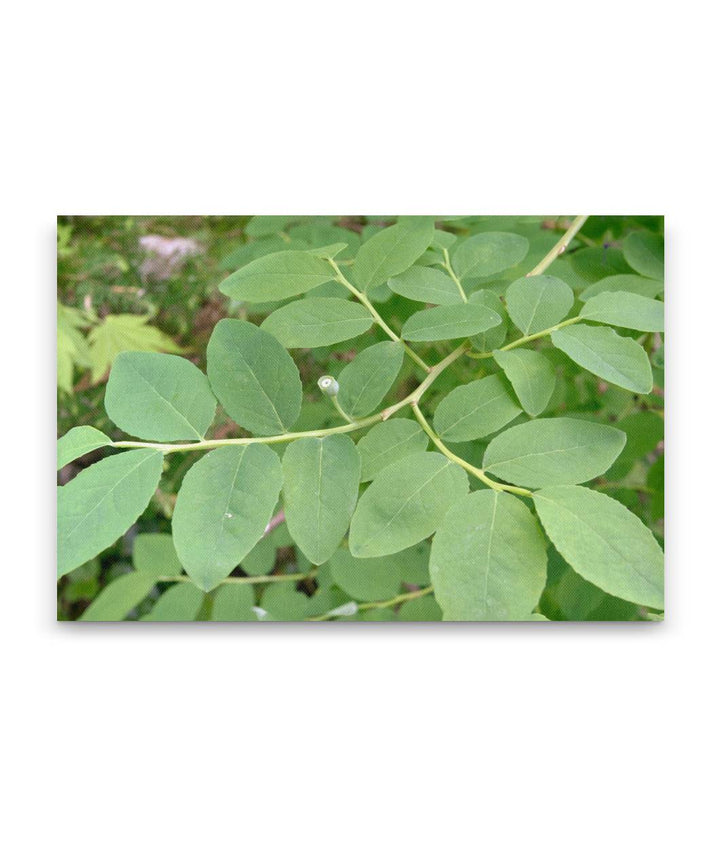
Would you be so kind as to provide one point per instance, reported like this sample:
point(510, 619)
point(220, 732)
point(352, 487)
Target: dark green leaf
point(387, 442)
point(535, 303)
point(475, 410)
point(367, 379)
point(645, 253)
point(449, 322)
point(427, 285)
point(391, 251)
point(277, 277)
point(317, 321)
point(624, 309)
point(488, 253)
point(531, 375)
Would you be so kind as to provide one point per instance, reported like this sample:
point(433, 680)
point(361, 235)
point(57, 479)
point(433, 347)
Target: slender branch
point(516, 344)
point(376, 315)
point(248, 581)
point(476, 471)
point(382, 604)
point(449, 269)
point(560, 247)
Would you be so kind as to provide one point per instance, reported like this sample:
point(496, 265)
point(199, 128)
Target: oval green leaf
point(531, 375)
point(604, 542)
point(277, 277)
point(119, 597)
point(388, 442)
point(233, 602)
point(317, 321)
point(78, 442)
point(254, 377)
point(645, 253)
point(367, 379)
point(372, 579)
point(495, 336)
point(224, 504)
point(535, 303)
point(475, 410)
point(623, 282)
point(623, 309)
point(488, 253)
point(449, 322)
point(391, 251)
point(182, 602)
point(426, 285)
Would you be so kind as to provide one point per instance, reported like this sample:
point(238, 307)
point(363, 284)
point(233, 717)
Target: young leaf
point(102, 502)
point(233, 603)
point(488, 253)
point(553, 451)
point(623, 282)
point(366, 579)
point(405, 504)
point(317, 321)
point(487, 561)
point(159, 397)
point(182, 602)
point(277, 277)
point(387, 442)
point(475, 410)
point(321, 478)
point(119, 597)
point(494, 336)
point(603, 352)
point(154, 553)
point(367, 379)
point(391, 251)
point(224, 504)
point(78, 442)
point(645, 253)
point(531, 375)
point(604, 542)
point(254, 377)
point(535, 303)
point(624, 309)
point(427, 285)
point(449, 322)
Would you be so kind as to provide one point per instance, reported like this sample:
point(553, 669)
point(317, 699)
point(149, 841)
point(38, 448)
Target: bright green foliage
point(254, 377)
point(488, 253)
point(426, 285)
point(79, 441)
point(119, 333)
point(367, 379)
point(625, 309)
point(317, 321)
point(627, 282)
point(159, 397)
point(596, 263)
point(119, 597)
point(475, 409)
point(494, 336)
point(531, 375)
point(645, 253)
point(225, 503)
point(154, 553)
point(553, 451)
point(277, 276)
point(535, 303)
point(102, 502)
point(391, 251)
point(449, 322)
point(182, 602)
point(233, 603)
point(488, 559)
point(604, 542)
point(321, 479)
point(405, 504)
point(603, 352)
point(420, 609)
point(388, 442)
point(366, 579)
point(72, 346)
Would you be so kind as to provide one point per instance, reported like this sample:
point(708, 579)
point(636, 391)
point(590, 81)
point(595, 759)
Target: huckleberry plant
point(508, 478)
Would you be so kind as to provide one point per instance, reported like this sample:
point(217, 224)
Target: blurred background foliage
point(150, 284)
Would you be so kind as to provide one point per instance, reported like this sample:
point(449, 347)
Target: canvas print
point(360, 418)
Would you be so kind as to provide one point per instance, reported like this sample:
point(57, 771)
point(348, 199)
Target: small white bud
point(329, 385)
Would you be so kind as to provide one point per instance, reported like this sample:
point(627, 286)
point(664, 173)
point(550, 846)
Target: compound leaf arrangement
point(485, 448)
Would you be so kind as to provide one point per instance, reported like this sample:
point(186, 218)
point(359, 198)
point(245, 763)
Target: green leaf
point(317, 321)
point(553, 451)
point(624, 309)
point(154, 553)
point(224, 504)
point(72, 346)
point(644, 431)
point(495, 336)
point(535, 303)
point(427, 285)
point(623, 282)
point(367, 379)
point(488, 253)
point(78, 442)
point(261, 559)
point(603, 352)
point(488, 561)
point(159, 397)
point(645, 253)
point(277, 276)
point(182, 602)
point(102, 502)
point(388, 442)
point(405, 504)
point(119, 597)
point(475, 410)
point(449, 322)
point(233, 602)
point(119, 333)
point(366, 579)
point(595, 263)
point(253, 377)
point(321, 478)
point(391, 251)
point(267, 224)
point(604, 542)
point(531, 375)
point(420, 609)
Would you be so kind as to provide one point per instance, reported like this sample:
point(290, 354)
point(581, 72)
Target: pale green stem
point(560, 247)
point(518, 342)
point(376, 315)
point(448, 268)
point(401, 598)
point(248, 581)
point(415, 395)
point(339, 409)
point(476, 471)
